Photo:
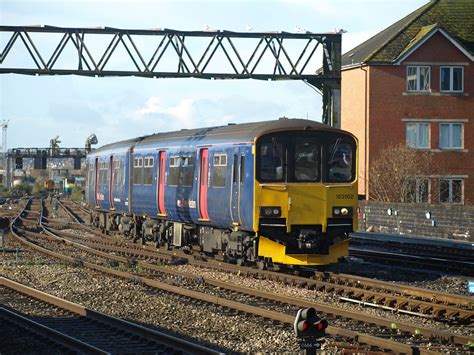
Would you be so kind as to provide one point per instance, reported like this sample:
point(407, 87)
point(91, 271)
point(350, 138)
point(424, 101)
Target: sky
point(73, 107)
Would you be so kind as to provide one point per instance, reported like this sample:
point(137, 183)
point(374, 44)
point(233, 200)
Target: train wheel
point(240, 262)
point(261, 265)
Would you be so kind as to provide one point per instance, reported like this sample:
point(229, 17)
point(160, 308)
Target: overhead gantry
point(164, 53)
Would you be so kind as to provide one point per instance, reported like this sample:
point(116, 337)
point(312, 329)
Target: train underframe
point(305, 246)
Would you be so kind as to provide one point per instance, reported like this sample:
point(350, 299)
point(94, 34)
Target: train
point(280, 192)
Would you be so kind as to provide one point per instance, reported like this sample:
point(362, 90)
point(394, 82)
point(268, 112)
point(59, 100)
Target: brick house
point(414, 82)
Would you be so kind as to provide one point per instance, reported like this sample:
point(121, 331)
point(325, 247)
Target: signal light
point(322, 324)
point(308, 324)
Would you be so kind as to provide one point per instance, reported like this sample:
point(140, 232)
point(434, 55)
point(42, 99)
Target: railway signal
point(310, 328)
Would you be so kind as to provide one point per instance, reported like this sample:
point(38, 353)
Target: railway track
point(372, 293)
point(440, 254)
point(376, 331)
point(74, 328)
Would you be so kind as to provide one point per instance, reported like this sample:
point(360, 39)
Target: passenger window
point(187, 171)
point(219, 170)
point(137, 171)
point(173, 178)
point(181, 171)
point(148, 171)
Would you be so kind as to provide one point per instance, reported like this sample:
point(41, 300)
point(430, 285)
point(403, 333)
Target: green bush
point(76, 195)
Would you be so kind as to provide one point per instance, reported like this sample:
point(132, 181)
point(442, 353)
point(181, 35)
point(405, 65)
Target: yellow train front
point(305, 194)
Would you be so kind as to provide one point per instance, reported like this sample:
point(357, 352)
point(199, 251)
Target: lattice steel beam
point(246, 55)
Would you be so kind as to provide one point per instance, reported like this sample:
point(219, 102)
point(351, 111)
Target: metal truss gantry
point(14, 158)
point(147, 53)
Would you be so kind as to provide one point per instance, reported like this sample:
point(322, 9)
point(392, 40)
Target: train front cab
point(305, 196)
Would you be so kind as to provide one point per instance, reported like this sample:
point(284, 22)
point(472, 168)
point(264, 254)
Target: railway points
point(195, 284)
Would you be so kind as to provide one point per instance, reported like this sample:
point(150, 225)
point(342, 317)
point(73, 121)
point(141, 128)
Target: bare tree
point(401, 174)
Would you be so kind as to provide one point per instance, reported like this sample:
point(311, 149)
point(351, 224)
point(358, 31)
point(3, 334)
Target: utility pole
point(4, 125)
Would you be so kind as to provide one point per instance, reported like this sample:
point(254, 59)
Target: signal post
point(310, 329)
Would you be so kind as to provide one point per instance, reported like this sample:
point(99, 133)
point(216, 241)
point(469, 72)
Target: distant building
point(414, 82)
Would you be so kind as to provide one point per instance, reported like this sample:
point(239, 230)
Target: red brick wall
point(389, 104)
point(353, 113)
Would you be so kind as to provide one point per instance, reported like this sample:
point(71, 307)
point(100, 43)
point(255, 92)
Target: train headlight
point(342, 211)
point(270, 211)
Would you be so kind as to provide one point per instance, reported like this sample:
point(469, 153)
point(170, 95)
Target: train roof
point(236, 133)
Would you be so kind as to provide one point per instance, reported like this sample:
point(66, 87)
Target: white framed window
point(418, 135)
point(451, 135)
point(137, 162)
point(418, 78)
point(418, 190)
point(148, 171)
point(138, 171)
point(451, 190)
point(219, 170)
point(451, 79)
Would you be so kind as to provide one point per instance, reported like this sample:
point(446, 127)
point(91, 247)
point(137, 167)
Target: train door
point(161, 183)
point(111, 182)
point(96, 183)
point(203, 183)
point(238, 173)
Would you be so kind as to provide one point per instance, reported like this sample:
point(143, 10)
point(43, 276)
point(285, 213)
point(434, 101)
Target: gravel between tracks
point(208, 324)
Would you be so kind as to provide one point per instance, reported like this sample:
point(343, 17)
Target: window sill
point(448, 150)
point(424, 149)
point(428, 93)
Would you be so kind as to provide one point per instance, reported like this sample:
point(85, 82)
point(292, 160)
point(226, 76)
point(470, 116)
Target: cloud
point(155, 106)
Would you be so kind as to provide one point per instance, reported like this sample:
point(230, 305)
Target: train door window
point(187, 171)
point(137, 171)
point(116, 178)
point(236, 170)
point(148, 171)
point(106, 172)
point(99, 174)
point(219, 170)
point(242, 168)
point(173, 179)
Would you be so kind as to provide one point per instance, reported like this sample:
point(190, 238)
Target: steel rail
point(431, 309)
point(70, 343)
point(144, 332)
point(282, 299)
point(436, 303)
point(335, 279)
point(288, 300)
point(436, 262)
point(280, 317)
point(284, 318)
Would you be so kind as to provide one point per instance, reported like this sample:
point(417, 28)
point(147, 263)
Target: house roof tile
point(456, 17)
